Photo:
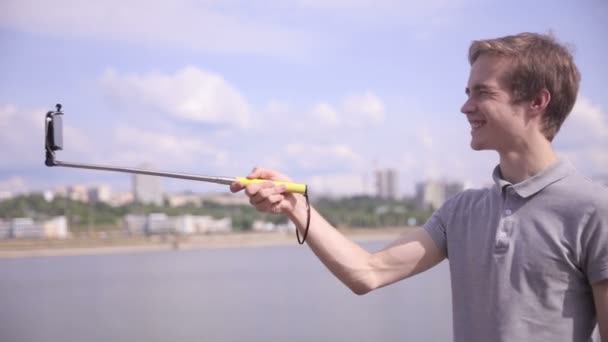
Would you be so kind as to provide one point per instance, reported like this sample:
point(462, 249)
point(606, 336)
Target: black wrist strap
point(301, 242)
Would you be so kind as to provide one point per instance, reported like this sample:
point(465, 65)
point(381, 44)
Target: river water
point(235, 294)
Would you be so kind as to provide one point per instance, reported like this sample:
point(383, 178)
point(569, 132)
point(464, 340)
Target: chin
point(478, 146)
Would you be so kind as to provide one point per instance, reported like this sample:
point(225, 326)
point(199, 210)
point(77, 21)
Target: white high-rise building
point(386, 184)
point(432, 194)
point(147, 189)
point(100, 193)
point(5, 195)
point(429, 194)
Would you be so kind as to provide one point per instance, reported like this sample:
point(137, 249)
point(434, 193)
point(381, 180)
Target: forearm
point(600, 297)
point(603, 322)
point(345, 259)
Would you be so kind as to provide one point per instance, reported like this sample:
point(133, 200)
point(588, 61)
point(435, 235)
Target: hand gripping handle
point(291, 187)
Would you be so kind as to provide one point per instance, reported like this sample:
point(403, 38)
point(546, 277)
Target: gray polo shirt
point(522, 256)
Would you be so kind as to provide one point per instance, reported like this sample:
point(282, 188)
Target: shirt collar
point(536, 183)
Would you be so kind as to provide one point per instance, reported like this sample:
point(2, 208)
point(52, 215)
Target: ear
point(540, 102)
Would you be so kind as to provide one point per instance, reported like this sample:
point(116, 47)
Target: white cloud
point(375, 5)
point(276, 108)
point(384, 10)
point(326, 114)
point(588, 121)
point(188, 24)
point(339, 4)
point(314, 156)
point(365, 108)
point(190, 93)
point(407, 162)
point(279, 114)
point(273, 162)
point(133, 146)
point(599, 158)
point(584, 137)
point(421, 18)
point(424, 137)
point(21, 138)
point(354, 111)
point(591, 162)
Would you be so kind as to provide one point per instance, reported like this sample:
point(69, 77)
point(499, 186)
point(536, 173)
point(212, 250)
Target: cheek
point(504, 117)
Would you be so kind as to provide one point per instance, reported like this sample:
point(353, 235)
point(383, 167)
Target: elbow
point(360, 277)
point(362, 286)
point(362, 280)
point(360, 290)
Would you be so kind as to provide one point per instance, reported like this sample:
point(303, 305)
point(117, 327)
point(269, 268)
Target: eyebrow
point(477, 87)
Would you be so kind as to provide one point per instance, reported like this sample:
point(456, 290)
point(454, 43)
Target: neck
point(521, 163)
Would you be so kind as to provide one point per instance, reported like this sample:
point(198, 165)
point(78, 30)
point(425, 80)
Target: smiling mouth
point(476, 124)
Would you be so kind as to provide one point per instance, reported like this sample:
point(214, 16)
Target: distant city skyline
point(107, 193)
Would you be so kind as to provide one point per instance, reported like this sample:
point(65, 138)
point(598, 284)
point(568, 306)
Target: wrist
point(298, 214)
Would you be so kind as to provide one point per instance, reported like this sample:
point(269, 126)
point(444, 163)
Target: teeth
point(476, 124)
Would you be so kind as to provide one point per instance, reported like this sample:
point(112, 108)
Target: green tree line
point(360, 211)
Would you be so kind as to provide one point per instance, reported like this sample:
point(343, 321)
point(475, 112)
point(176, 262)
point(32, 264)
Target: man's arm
point(357, 268)
point(600, 297)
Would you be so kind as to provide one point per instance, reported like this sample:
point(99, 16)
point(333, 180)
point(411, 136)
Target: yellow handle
point(291, 187)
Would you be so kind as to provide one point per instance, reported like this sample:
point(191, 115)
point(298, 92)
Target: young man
point(529, 256)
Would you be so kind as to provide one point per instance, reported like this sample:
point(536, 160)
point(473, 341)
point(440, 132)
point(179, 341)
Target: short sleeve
point(439, 223)
point(436, 228)
point(595, 244)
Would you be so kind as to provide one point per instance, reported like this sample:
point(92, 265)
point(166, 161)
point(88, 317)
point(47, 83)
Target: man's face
point(496, 122)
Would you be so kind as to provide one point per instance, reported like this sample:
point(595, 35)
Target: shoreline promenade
point(95, 246)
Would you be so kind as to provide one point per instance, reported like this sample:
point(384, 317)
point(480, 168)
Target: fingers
point(262, 173)
point(266, 191)
point(236, 187)
point(266, 197)
point(275, 208)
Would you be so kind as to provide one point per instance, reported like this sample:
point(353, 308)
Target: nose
point(468, 107)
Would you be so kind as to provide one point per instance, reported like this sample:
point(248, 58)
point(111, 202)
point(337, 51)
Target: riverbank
point(93, 246)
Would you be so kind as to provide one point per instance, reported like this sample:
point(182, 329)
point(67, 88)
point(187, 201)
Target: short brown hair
point(538, 62)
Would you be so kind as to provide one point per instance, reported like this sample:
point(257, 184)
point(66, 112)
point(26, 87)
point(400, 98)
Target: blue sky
point(325, 91)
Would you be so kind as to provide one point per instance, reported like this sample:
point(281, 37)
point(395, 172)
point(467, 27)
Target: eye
point(483, 93)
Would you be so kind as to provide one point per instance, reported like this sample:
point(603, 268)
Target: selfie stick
point(54, 142)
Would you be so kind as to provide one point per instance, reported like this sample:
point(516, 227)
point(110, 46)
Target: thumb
point(263, 173)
